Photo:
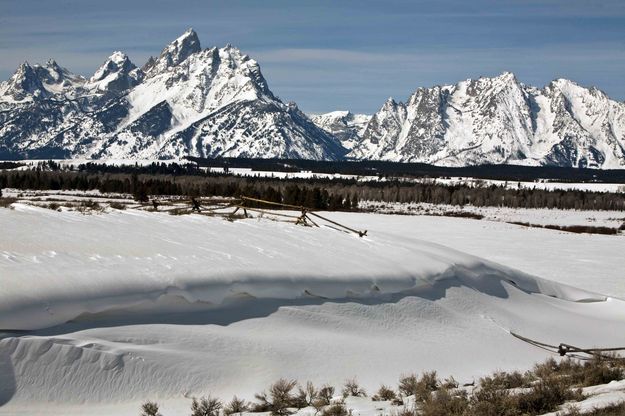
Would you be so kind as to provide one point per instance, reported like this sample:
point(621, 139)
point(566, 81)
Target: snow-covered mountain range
point(499, 121)
point(216, 102)
point(188, 101)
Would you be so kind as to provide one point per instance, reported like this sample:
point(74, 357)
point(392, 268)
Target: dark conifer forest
point(314, 192)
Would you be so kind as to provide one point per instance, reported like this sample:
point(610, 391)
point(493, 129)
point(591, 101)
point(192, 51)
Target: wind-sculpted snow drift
point(129, 305)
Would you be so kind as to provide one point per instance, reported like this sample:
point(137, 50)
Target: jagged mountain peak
point(24, 84)
point(390, 101)
point(506, 76)
point(204, 81)
point(116, 75)
point(57, 79)
point(390, 106)
point(567, 85)
point(118, 61)
point(51, 63)
point(176, 52)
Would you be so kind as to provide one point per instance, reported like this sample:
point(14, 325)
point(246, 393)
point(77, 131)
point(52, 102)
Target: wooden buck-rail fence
point(237, 208)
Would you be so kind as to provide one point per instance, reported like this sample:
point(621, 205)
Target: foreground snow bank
point(172, 306)
point(147, 262)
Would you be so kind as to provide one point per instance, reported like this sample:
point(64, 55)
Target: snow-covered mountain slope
point(499, 120)
point(166, 307)
point(346, 126)
point(188, 101)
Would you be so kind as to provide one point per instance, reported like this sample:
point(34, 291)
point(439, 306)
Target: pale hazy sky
point(328, 55)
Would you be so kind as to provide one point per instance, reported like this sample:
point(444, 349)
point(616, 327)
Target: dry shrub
point(88, 206)
point(405, 411)
point(570, 410)
point(599, 370)
point(408, 385)
point(236, 405)
point(492, 401)
point(421, 387)
point(504, 380)
point(6, 202)
point(443, 403)
point(450, 383)
point(352, 388)
point(205, 406)
point(384, 394)
point(617, 409)
point(337, 409)
point(279, 398)
point(55, 206)
point(545, 396)
point(149, 409)
point(117, 205)
point(326, 392)
point(305, 396)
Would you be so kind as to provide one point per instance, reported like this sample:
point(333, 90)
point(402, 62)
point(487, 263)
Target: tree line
point(314, 192)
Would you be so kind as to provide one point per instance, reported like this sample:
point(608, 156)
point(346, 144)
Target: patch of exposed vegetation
point(548, 387)
point(579, 229)
point(6, 202)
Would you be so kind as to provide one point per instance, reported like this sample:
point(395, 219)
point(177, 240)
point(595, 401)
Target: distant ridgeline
point(312, 192)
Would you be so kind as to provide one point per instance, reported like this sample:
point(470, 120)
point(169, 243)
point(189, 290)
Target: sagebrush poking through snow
point(384, 393)
point(549, 386)
point(611, 410)
point(599, 370)
point(337, 409)
point(352, 388)
point(206, 406)
point(279, 399)
point(150, 409)
point(236, 405)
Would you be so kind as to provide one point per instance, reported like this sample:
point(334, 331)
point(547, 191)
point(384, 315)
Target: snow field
point(167, 306)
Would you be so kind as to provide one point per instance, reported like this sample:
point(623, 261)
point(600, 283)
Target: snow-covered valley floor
point(110, 310)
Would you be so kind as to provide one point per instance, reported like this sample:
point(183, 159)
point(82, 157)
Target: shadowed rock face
point(178, 104)
point(24, 83)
